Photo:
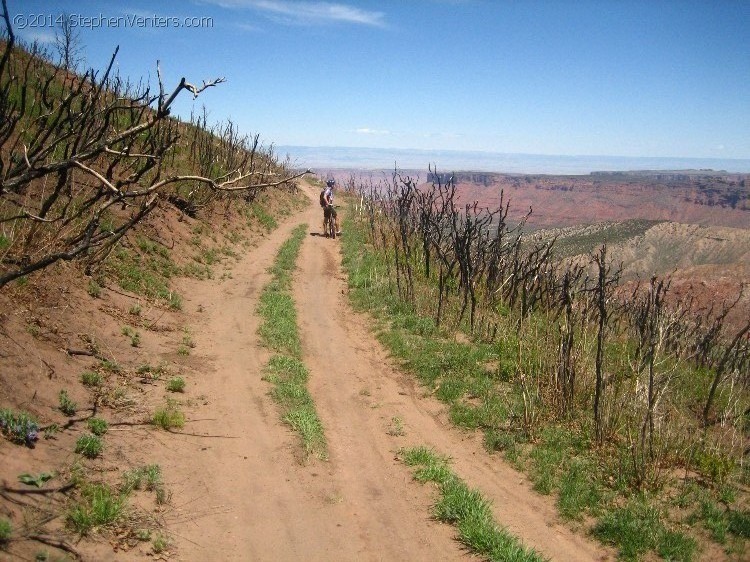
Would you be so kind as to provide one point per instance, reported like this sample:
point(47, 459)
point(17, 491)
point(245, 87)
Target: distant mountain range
point(338, 157)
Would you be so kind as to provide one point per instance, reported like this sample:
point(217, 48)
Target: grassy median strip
point(467, 510)
point(286, 371)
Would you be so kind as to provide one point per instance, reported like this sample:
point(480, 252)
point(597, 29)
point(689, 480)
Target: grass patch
point(66, 405)
point(146, 273)
point(176, 384)
point(160, 544)
point(94, 289)
point(146, 477)
point(279, 329)
point(91, 378)
point(90, 446)
point(286, 371)
point(97, 426)
point(169, 416)
point(638, 528)
point(289, 377)
point(98, 506)
point(6, 530)
point(467, 510)
point(261, 215)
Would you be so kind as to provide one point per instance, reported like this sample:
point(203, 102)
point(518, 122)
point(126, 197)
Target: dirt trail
point(245, 496)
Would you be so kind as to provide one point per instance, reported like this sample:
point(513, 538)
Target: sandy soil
point(240, 490)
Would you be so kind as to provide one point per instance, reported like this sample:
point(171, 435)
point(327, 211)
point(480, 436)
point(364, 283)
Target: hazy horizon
point(371, 158)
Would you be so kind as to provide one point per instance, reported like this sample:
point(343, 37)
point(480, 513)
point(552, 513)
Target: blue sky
point(654, 78)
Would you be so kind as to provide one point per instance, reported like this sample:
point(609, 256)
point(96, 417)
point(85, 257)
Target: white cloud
point(306, 13)
point(442, 135)
point(368, 131)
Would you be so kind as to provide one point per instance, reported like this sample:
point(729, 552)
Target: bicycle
point(329, 223)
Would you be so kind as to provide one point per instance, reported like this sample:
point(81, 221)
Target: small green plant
point(135, 338)
point(97, 426)
point(176, 384)
point(111, 366)
point(161, 543)
point(143, 534)
point(91, 378)
point(169, 417)
point(135, 310)
point(94, 289)
point(396, 428)
point(38, 481)
point(67, 406)
point(187, 339)
point(146, 477)
point(184, 351)
point(41, 556)
point(6, 530)
point(51, 430)
point(98, 506)
point(20, 428)
point(90, 446)
point(150, 373)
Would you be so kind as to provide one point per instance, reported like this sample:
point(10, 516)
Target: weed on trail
point(169, 416)
point(466, 509)
point(99, 505)
point(285, 371)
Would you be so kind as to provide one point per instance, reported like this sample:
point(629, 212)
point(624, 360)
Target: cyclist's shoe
point(338, 233)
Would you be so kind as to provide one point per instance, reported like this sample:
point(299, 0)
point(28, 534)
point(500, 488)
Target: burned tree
point(84, 158)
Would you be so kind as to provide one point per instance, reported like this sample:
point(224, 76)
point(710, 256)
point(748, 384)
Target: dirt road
point(243, 494)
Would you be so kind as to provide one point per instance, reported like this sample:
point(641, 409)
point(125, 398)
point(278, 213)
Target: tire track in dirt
point(243, 497)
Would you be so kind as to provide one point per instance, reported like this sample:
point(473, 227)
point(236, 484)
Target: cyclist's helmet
point(330, 183)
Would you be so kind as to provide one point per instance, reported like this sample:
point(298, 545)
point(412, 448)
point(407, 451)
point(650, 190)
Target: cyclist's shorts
point(328, 211)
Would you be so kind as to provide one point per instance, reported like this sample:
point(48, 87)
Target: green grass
point(98, 506)
point(286, 371)
point(580, 492)
point(169, 416)
point(289, 377)
point(637, 528)
point(6, 530)
point(146, 273)
point(94, 289)
point(160, 544)
point(147, 477)
point(91, 378)
point(262, 216)
point(279, 329)
point(90, 446)
point(176, 384)
point(66, 405)
point(467, 510)
point(97, 426)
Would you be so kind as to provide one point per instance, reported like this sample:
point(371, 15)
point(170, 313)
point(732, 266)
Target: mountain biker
point(326, 201)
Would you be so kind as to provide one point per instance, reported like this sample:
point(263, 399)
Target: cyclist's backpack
point(323, 198)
